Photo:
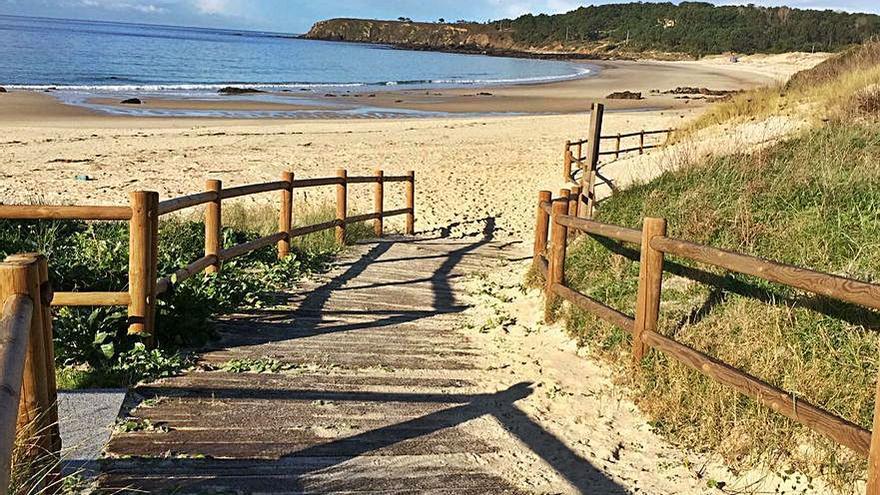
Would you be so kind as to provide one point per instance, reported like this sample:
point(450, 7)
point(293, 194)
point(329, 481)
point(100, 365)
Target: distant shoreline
point(651, 79)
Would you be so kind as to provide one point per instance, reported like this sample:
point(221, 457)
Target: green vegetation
point(697, 28)
point(812, 200)
point(92, 347)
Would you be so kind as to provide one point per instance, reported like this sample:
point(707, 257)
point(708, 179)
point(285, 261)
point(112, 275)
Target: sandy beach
point(467, 168)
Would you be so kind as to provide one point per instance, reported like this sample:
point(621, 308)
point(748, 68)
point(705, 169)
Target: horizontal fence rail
point(143, 213)
point(556, 223)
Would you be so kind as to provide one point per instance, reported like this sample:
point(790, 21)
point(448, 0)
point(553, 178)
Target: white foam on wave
point(581, 72)
point(122, 88)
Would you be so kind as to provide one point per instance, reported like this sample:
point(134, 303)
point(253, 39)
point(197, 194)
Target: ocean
point(81, 59)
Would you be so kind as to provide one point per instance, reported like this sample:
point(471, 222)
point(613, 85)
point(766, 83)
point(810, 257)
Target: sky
point(296, 16)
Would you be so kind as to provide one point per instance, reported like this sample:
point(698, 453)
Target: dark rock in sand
point(131, 101)
point(330, 95)
point(625, 95)
point(484, 94)
point(2, 89)
point(229, 90)
point(688, 90)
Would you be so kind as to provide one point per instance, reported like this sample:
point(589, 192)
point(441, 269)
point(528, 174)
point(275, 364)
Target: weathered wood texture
point(15, 324)
point(383, 395)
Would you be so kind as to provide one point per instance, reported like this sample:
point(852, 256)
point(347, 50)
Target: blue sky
point(295, 16)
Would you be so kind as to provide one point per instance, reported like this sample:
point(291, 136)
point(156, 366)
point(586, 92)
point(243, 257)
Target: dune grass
point(834, 89)
point(812, 201)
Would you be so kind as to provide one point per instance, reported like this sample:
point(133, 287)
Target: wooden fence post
point(379, 203)
point(341, 205)
point(556, 268)
point(35, 412)
point(574, 203)
point(617, 147)
point(153, 274)
point(285, 215)
point(213, 224)
point(17, 385)
point(588, 178)
point(650, 286)
point(46, 296)
point(566, 162)
point(542, 225)
point(411, 202)
point(642, 142)
point(139, 262)
point(873, 485)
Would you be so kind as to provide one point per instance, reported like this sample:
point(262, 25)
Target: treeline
point(697, 28)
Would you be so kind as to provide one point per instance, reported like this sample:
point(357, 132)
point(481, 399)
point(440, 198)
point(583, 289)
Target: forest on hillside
point(697, 28)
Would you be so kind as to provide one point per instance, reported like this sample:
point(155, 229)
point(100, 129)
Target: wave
point(214, 87)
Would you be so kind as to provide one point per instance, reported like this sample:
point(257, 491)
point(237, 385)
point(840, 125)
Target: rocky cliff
point(420, 35)
point(465, 38)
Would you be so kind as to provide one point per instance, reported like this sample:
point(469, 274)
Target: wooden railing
point(557, 216)
point(584, 155)
point(144, 210)
point(573, 152)
point(28, 395)
point(27, 363)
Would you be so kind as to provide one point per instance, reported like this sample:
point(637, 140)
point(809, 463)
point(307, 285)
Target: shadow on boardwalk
point(389, 305)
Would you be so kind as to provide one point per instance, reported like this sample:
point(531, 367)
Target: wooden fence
point(584, 154)
point(549, 259)
point(27, 365)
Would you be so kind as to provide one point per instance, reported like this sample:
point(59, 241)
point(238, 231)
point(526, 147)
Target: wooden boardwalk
point(383, 395)
point(378, 403)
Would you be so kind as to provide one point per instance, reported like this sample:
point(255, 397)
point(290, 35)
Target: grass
point(92, 345)
point(812, 201)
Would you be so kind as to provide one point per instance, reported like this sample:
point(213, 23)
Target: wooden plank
point(183, 202)
point(45, 212)
point(91, 299)
point(249, 189)
point(825, 284)
point(838, 429)
point(393, 213)
point(595, 307)
point(608, 230)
